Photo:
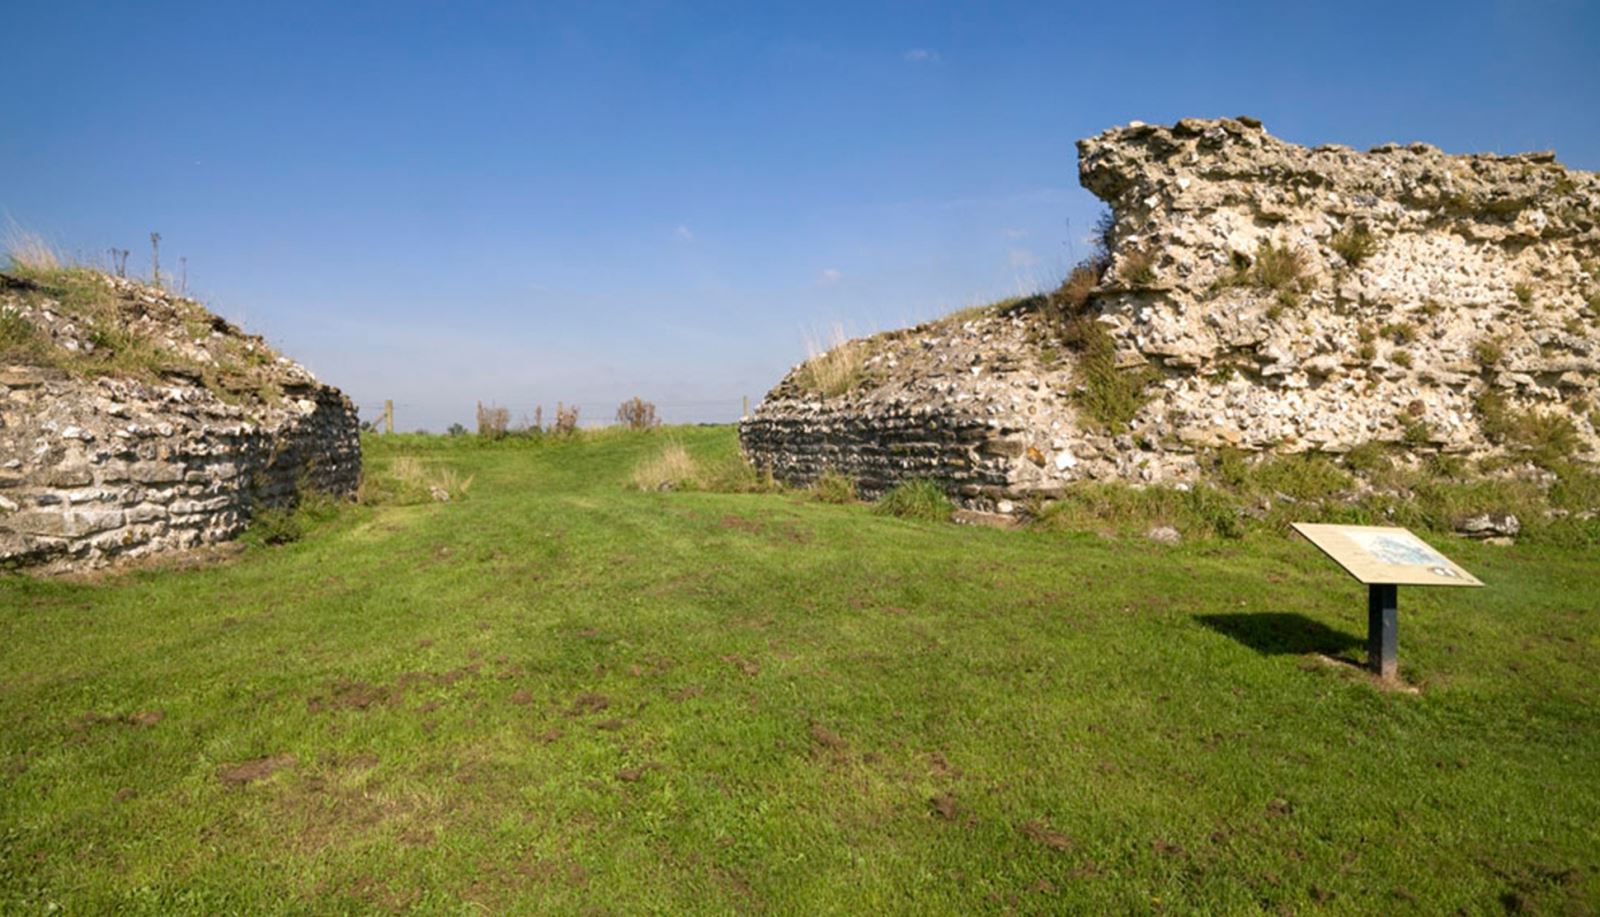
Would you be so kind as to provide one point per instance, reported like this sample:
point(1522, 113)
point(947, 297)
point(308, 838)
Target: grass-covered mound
point(560, 692)
point(87, 323)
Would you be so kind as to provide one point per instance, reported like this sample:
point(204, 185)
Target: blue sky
point(526, 203)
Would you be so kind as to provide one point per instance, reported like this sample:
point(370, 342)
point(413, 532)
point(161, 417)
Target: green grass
point(1354, 244)
point(120, 347)
point(916, 499)
point(561, 694)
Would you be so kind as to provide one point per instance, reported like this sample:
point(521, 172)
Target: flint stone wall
point(96, 470)
point(1465, 251)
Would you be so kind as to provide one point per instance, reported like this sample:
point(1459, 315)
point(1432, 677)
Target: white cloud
point(921, 56)
point(684, 233)
point(829, 277)
point(1022, 257)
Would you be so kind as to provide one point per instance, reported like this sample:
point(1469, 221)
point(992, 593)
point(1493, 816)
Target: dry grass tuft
point(673, 468)
point(28, 251)
point(492, 421)
point(833, 487)
point(833, 369)
point(566, 420)
point(637, 414)
point(410, 480)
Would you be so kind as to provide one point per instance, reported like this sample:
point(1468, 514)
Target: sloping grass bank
point(559, 693)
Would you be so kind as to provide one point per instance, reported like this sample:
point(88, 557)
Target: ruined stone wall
point(1421, 282)
point(1278, 299)
point(93, 469)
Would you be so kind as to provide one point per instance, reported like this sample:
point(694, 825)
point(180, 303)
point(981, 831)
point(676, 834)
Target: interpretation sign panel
point(1375, 555)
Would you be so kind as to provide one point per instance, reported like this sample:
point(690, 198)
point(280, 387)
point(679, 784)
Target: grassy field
point(560, 694)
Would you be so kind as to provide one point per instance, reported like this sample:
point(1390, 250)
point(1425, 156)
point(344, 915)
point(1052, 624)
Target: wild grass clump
point(1274, 267)
point(1369, 457)
point(1488, 352)
point(1367, 486)
point(1301, 476)
point(733, 474)
point(637, 414)
point(19, 339)
point(566, 420)
point(1523, 291)
point(835, 368)
point(407, 480)
point(29, 253)
point(1399, 332)
point(1278, 267)
point(1108, 396)
point(833, 487)
point(1198, 510)
point(983, 310)
point(671, 468)
point(1545, 438)
point(916, 499)
point(492, 421)
point(115, 336)
point(285, 524)
point(1138, 267)
point(1354, 244)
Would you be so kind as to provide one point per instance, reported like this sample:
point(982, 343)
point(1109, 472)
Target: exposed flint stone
point(1408, 260)
point(97, 469)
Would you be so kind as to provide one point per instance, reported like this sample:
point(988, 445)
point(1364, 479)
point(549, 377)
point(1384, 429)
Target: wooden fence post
point(388, 415)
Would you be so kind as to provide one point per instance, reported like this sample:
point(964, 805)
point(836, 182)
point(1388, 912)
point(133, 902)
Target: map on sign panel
point(1379, 554)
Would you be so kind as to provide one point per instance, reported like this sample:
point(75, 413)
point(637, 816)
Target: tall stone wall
point(1276, 298)
point(97, 468)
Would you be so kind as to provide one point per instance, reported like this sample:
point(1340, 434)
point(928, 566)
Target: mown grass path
point(562, 695)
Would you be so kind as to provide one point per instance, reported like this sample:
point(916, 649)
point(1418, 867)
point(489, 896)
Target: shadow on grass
point(1273, 633)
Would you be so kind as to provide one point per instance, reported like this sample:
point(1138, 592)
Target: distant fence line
point(389, 416)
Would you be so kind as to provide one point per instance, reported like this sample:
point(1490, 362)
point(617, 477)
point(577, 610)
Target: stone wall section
point(98, 469)
point(1481, 276)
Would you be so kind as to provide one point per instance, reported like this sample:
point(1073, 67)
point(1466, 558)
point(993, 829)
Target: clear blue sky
point(525, 203)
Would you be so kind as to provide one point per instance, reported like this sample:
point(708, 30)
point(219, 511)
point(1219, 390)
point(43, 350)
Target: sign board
point(1377, 555)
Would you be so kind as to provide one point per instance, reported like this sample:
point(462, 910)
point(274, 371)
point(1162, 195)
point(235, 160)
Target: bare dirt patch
point(827, 738)
point(747, 666)
point(588, 702)
point(939, 767)
point(143, 719)
point(741, 524)
point(1042, 833)
point(353, 695)
point(944, 806)
point(522, 697)
point(633, 774)
point(251, 771)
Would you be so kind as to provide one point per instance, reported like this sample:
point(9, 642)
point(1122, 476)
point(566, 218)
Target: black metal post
point(1382, 626)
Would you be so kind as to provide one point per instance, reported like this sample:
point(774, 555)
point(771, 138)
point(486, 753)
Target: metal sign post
point(1384, 559)
point(1383, 624)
